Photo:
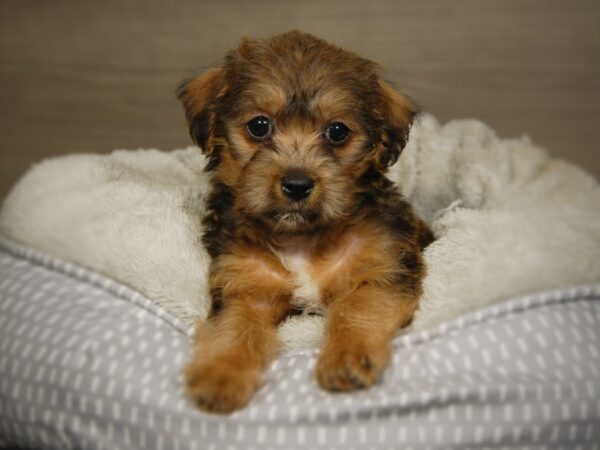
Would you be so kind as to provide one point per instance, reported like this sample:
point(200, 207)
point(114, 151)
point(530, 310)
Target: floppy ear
point(198, 96)
point(397, 113)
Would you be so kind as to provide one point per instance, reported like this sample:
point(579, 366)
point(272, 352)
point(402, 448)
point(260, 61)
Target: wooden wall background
point(92, 76)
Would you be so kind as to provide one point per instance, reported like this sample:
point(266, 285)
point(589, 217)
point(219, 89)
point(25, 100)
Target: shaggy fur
point(351, 247)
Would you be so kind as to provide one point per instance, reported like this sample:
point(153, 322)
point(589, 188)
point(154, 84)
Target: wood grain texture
point(83, 76)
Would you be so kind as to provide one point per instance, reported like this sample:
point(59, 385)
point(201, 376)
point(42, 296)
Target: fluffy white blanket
point(509, 220)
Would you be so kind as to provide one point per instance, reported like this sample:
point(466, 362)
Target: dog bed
point(86, 362)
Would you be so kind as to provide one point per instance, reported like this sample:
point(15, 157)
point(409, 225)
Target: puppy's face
point(295, 127)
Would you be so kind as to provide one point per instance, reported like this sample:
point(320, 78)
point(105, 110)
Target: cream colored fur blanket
point(509, 220)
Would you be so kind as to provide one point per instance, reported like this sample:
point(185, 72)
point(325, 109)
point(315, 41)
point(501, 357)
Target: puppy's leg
point(359, 331)
point(230, 353)
point(234, 346)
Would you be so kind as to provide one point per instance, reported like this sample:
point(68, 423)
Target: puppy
point(298, 134)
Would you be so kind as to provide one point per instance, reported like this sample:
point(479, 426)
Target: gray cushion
point(87, 363)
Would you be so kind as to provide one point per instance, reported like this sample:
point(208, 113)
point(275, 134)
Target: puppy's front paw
point(347, 365)
point(221, 386)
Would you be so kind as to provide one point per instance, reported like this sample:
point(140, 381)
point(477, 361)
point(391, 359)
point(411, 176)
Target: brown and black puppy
point(299, 134)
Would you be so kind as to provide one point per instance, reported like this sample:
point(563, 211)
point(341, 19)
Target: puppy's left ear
point(398, 114)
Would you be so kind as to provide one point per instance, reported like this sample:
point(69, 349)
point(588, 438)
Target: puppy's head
point(294, 127)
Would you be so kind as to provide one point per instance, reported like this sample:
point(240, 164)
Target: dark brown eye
point(337, 133)
point(259, 127)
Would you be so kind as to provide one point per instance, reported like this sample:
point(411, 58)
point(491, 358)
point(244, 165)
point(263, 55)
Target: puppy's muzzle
point(297, 186)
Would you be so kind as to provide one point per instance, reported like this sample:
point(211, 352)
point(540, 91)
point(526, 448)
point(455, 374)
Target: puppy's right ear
point(198, 96)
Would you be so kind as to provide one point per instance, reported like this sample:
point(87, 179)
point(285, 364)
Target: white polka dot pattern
point(88, 363)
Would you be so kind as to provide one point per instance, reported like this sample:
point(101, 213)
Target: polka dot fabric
point(87, 363)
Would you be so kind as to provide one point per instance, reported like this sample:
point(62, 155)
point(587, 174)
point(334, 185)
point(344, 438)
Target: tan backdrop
point(92, 76)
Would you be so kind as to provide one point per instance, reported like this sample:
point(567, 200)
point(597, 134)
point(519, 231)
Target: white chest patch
point(307, 295)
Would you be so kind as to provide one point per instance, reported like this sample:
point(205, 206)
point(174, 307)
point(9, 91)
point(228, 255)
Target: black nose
point(297, 187)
